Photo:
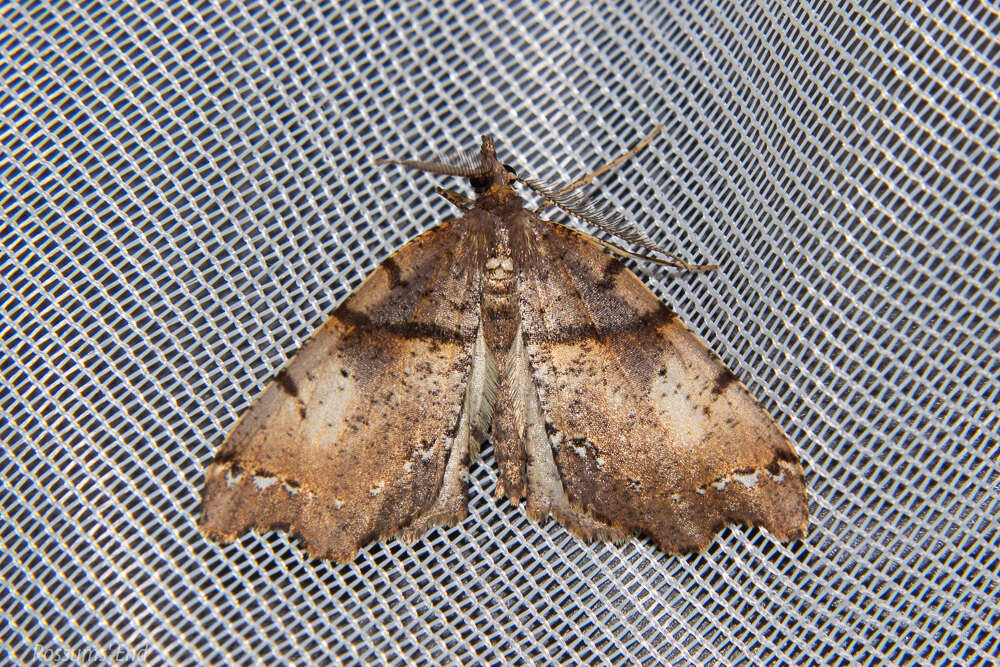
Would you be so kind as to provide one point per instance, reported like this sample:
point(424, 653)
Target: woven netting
point(187, 192)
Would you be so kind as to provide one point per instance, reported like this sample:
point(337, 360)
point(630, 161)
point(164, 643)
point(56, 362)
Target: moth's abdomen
point(499, 305)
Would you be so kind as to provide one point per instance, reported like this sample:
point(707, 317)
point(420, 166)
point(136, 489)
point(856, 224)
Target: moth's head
point(496, 173)
point(485, 172)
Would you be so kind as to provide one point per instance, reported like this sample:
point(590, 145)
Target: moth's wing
point(365, 433)
point(649, 431)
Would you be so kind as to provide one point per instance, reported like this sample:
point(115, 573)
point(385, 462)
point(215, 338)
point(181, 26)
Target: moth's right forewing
point(352, 440)
point(649, 430)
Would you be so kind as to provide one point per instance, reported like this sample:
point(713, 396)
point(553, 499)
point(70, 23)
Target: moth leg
point(675, 260)
point(606, 168)
point(462, 202)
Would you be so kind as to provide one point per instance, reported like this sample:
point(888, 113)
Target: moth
point(605, 411)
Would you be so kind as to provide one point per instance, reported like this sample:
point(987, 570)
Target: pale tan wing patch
point(364, 434)
point(650, 431)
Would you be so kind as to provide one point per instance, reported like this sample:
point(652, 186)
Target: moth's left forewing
point(650, 431)
point(366, 432)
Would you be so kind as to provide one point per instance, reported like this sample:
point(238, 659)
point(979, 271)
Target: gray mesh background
point(187, 192)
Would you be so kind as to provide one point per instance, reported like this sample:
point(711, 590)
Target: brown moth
point(605, 411)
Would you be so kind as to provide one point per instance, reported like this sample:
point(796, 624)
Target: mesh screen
point(187, 192)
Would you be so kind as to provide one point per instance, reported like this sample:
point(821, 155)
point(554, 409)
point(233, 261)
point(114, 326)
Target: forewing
point(356, 437)
point(650, 431)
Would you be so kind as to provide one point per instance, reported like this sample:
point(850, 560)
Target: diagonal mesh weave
point(187, 191)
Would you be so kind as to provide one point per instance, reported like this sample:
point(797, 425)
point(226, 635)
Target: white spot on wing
point(427, 454)
point(262, 482)
point(377, 489)
point(231, 478)
point(748, 481)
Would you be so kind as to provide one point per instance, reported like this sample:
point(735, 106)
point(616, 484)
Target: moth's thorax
point(499, 196)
